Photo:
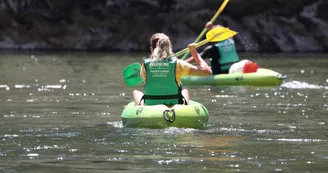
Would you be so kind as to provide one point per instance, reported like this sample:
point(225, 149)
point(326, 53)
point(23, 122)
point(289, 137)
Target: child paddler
point(161, 73)
point(223, 55)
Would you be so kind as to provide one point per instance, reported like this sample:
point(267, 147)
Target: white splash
point(302, 85)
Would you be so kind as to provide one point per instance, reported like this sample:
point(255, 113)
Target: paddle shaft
point(181, 52)
point(225, 2)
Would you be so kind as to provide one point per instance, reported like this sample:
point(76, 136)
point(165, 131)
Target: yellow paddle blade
point(219, 34)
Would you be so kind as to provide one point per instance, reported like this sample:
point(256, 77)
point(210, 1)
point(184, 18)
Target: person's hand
point(192, 46)
point(193, 52)
point(209, 25)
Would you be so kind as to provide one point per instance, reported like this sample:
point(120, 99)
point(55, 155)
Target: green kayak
point(263, 77)
point(194, 115)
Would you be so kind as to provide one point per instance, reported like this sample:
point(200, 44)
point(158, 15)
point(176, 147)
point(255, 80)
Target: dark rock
point(126, 25)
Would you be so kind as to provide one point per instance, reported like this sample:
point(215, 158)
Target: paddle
point(131, 74)
point(205, 29)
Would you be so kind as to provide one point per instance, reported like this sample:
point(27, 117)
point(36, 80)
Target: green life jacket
point(228, 54)
point(161, 86)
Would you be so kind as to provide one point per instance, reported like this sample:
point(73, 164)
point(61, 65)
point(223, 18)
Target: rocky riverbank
point(126, 25)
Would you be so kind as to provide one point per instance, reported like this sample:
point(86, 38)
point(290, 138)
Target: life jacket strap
point(182, 100)
point(161, 97)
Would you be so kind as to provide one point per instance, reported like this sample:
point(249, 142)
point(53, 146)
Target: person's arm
point(190, 59)
point(143, 72)
point(204, 54)
point(202, 69)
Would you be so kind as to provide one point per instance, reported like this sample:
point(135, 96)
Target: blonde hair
point(160, 46)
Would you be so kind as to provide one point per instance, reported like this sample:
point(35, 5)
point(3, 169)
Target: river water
point(60, 112)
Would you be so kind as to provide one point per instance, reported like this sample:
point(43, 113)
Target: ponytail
point(163, 48)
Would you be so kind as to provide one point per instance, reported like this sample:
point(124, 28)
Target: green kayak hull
point(263, 77)
point(194, 115)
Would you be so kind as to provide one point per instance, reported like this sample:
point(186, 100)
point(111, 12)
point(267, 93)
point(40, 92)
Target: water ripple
point(291, 140)
point(302, 85)
point(253, 130)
